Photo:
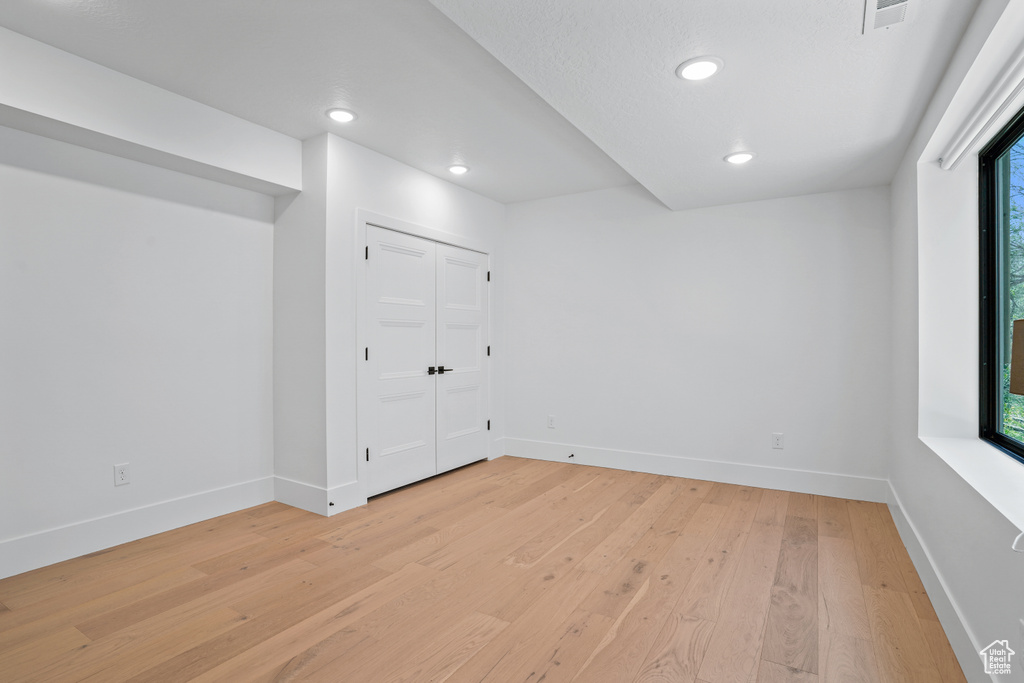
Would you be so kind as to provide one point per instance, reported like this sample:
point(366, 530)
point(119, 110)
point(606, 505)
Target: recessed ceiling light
point(739, 157)
point(699, 68)
point(458, 169)
point(341, 115)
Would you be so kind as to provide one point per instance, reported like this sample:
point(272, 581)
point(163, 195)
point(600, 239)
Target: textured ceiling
point(823, 106)
point(425, 92)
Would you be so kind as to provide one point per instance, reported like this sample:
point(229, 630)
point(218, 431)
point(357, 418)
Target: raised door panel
point(401, 296)
point(462, 349)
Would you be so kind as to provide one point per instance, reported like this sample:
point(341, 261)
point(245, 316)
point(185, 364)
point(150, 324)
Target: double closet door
point(424, 394)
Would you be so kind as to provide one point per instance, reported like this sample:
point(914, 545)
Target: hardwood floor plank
point(594, 483)
point(224, 533)
point(625, 578)
point(625, 648)
point(287, 648)
point(942, 653)
point(424, 610)
point(621, 583)
point(487, 543)
point(678, 650)
point(118, 658)
point(562, 653)
point(702, 597)
point(426, 545)
point(610, 552)
point(732, 653)
point(752, 677)
point(845, 659)
point(876, 560)
point(901, 649)
point(803, 505)
point(586, 512)
point(791, 634)
point(721, 494)
point(833, 518)
point(97, 579)
point(42, 617)
point(267, 612)
point(744, 508)
point(516, 528)
point(772, 510)
point(916, 590)
point(513, 496)
point(214, 591)
point(840, 598)
point(27, 660)
point(370, 547)
point(771, 672)
point(518, 644)
point(324, 661)
point(267, 554)
point(452, 649)
point(512, 600)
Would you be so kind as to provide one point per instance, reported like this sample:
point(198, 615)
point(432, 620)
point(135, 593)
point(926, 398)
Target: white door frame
point(363, 218)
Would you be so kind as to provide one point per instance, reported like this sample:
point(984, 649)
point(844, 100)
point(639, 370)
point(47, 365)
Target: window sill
point(996, 476)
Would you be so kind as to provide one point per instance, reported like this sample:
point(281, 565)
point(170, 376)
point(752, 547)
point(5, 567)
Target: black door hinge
point(366, 353)
point(367, 255)
point(488, 276)
point(488, 350)
point(367, 455)
point(488, 425)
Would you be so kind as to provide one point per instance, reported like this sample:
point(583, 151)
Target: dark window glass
point(1002, 288)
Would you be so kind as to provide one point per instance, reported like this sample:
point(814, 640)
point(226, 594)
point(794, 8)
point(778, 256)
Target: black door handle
point(441, 369)
point(431, 370)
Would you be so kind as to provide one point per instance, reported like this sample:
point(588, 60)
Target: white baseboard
point(965, 645)
point(317, 499)
point(299, 495)
point(345, 497)
point(47, 547)
point(799, 481)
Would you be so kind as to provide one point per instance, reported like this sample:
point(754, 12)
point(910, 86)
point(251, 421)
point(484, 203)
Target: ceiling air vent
point(884, 13)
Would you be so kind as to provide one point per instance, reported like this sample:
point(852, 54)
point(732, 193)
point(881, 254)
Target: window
point(1002, 287)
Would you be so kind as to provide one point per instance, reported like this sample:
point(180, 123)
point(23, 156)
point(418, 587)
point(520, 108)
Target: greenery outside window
point(1001, 202)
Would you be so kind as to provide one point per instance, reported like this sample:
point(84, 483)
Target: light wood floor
point(509, 570)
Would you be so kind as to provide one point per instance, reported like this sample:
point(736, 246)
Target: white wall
point(659, 339)
point(959, 540)
point(135, 326)
point(318, 260)
point(299, 353)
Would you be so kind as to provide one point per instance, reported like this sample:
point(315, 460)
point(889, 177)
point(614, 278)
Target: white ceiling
point(425, 92)
point(823, 106)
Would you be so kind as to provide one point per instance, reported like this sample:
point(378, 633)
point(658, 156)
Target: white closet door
point(462, 351)
point(401, 339)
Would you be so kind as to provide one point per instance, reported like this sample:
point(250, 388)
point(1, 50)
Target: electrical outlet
point(122, 475)
point(551, 421)
point(777, 441)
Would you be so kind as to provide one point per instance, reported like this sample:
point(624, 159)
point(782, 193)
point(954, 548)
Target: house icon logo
point(997, 657)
